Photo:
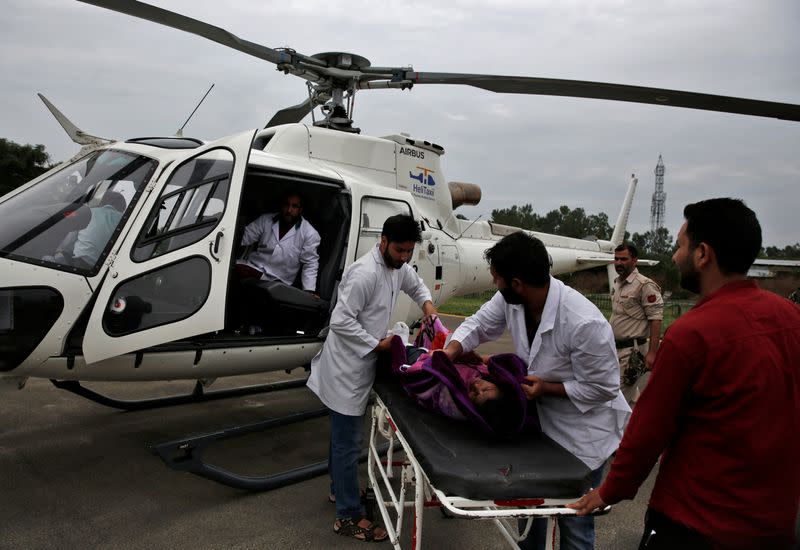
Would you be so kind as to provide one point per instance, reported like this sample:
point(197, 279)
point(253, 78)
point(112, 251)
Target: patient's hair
point(401, 228)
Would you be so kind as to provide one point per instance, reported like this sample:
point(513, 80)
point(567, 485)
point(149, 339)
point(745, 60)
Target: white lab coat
point(280, 259)
point(574, 344)
point(342, 373)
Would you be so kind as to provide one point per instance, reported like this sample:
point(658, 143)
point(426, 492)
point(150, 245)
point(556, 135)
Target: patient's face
point(481, 391)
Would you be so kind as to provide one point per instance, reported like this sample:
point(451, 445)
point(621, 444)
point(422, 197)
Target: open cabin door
point(169, 276)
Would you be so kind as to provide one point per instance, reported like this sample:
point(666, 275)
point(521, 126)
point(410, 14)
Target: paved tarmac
point(75, 474)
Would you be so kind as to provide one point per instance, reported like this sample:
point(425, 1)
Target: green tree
point(654, 243)
point(788, 252)
point(659, 245)
point(20, 164)
point(561, 221)
point(516, 216)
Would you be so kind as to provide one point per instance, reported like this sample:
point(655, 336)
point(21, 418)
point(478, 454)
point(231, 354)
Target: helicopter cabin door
point(168, 278)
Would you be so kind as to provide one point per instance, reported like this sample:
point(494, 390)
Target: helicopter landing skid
point(185, 455)
point(197, 395)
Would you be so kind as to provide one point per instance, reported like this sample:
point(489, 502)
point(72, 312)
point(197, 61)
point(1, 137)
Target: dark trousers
point(345, 447)
point(662, 533)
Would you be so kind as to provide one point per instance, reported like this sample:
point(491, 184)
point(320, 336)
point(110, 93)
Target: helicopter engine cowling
point(464, 193)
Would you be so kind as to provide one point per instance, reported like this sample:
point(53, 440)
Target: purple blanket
point(441, 386)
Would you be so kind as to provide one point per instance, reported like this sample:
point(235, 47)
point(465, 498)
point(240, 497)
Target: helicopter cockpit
point(69, 219)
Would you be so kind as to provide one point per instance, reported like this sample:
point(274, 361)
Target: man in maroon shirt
point(722, 407)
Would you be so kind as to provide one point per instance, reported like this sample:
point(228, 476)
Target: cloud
point(118, 76)
point(500, 110)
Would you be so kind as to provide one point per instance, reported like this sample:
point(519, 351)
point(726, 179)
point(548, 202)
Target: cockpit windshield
point(70, 218)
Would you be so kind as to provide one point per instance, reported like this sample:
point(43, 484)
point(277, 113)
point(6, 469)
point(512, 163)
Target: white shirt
point(574, 345)
point(280, 258)
point(342, 373)
point(92, 239)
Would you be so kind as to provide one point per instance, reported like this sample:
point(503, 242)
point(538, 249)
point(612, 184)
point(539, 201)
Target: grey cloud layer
point(119, 77)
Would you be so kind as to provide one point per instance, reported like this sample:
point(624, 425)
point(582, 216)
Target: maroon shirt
point(723, 405)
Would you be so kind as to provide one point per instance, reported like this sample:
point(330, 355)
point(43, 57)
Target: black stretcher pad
point(461, 460)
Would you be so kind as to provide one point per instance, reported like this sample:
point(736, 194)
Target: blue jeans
point(574, 533)
point(345, 447)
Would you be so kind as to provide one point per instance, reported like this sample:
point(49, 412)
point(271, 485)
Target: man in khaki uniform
point(637, 309)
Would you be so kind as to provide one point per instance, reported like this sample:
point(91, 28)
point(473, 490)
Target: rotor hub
point(343, 60)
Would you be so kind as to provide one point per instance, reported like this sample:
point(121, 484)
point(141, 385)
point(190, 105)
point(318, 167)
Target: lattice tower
point(659, 198)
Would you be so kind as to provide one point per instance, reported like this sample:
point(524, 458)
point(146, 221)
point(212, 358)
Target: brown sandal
point(351, 528)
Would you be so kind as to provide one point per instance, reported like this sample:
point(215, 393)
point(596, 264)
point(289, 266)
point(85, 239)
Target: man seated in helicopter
point(286, 245)
point(93, 238)
point(90, 241)
point(286, 242)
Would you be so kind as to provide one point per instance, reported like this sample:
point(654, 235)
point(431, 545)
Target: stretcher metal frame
point(505, 514)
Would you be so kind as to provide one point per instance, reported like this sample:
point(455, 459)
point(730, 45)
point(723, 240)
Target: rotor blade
point(295, 113)
point(187, 24)
point(615, 92)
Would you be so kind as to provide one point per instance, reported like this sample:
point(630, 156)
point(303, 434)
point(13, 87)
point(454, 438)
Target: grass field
point(467, 305)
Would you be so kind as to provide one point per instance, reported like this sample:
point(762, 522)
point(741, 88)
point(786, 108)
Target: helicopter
point(153, 304)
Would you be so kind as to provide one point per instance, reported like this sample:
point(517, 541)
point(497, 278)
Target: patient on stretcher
point(488, 395)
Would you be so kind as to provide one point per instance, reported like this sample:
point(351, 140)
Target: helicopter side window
point(165, 295)
point(374, 212)
point(189, 207)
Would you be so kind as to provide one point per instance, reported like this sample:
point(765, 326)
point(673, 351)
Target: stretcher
point(449, 464)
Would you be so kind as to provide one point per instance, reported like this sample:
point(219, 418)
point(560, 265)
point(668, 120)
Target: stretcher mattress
point(461, 460)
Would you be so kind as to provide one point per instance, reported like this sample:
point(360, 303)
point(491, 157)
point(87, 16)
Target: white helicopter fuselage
point(360, 179)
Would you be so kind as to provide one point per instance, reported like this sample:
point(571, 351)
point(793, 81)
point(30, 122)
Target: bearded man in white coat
point(342, 374)
point(573, 372)
point(286, 242)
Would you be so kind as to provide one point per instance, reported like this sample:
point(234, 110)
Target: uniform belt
point(629, 342)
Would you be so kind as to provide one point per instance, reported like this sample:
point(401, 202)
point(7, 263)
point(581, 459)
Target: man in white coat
point(342, 374)
point(573, 372)
point(286, 243)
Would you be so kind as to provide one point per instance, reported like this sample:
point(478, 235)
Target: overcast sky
point(119, 77)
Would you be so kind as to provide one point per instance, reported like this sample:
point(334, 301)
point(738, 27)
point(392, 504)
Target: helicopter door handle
point(213, 248)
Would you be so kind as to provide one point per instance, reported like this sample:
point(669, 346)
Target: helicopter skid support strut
point(186, 455)
point(197, 395)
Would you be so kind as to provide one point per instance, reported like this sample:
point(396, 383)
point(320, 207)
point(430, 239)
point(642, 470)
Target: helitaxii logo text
point(426, 182)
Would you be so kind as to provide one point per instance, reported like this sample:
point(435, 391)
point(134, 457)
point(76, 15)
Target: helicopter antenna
point(179, 133)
